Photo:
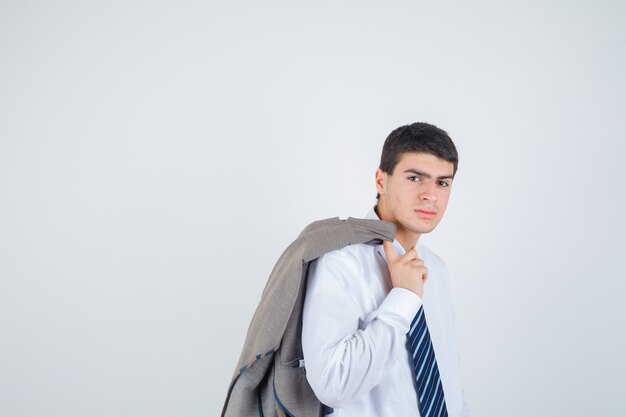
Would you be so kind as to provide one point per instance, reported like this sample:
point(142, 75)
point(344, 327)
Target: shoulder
point(344, 264)
point(350, 258)
point(339, 273)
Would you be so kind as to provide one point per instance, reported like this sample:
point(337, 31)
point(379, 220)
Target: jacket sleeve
point(348, 346)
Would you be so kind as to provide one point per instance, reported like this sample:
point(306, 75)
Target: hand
point(407, 271)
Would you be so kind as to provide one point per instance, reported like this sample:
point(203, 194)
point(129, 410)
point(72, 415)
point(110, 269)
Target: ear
point(381, 181)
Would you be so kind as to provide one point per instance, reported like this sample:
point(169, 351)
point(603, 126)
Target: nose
point(428, 191)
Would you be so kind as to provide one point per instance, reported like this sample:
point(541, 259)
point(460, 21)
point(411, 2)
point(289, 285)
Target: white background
point(156, 157)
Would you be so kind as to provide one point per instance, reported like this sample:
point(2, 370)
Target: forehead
point(426, 162)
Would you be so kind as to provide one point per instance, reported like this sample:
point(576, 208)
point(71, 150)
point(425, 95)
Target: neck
point(407, 242)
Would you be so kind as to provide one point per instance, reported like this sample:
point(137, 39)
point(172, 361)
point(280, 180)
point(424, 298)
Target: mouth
point(427, 214)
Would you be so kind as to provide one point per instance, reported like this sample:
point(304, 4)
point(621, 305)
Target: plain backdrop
point(156, 157)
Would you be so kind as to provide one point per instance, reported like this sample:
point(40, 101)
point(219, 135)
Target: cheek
point(404, 194)
point(402, 202)
point(443, 200)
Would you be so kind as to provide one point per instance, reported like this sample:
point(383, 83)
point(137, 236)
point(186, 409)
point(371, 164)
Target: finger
point(417, 262)
point(410, 255)
point(390, 251)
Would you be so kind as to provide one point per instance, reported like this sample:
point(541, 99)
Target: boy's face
point(416, 195)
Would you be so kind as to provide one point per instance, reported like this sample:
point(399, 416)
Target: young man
point(378, 325)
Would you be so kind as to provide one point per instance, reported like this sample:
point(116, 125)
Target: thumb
point(390, 251)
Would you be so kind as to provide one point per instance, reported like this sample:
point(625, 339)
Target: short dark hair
point(417, 137)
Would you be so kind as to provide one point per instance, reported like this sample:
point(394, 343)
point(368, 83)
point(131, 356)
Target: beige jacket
point(270, 377)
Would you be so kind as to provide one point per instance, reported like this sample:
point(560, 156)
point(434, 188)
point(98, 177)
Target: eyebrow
point(425, 175)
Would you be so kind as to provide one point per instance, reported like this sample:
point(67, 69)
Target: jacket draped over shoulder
point(270, 379)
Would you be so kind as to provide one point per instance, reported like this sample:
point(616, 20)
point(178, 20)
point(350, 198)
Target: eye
point(414, 178)
point(443, 184)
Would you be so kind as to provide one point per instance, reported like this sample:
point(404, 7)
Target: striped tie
point(431, 400)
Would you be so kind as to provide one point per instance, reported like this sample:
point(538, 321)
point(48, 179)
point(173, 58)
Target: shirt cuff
point(402, 304)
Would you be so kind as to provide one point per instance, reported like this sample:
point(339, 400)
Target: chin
point(424, 230)
point(419, 227)
point(420, 230)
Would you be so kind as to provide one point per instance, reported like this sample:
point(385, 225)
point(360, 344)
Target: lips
point(427, 214)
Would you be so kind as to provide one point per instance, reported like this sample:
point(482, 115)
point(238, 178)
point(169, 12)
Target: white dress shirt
point(354, 333)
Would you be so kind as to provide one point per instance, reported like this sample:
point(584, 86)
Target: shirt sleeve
point(465, 408)
point(465, 412)
point(348, 349)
